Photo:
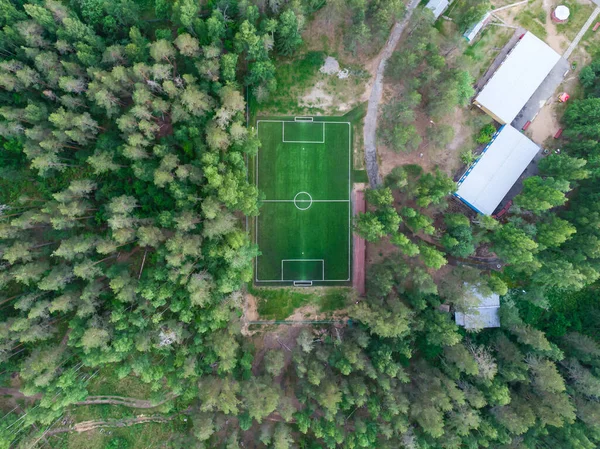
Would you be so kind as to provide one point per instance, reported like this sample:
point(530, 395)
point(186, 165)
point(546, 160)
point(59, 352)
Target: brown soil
point(377, 252)
point(324, 33)
point(442, 273)
point(282, 338)
point(557, 41)
point(249, 313)
point(308, 312)
point(165, 126)
point(427, 156)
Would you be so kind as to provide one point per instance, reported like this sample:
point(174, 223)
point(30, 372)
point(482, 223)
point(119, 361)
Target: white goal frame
point(307, 120)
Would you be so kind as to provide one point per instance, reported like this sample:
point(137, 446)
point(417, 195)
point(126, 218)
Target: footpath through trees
point(370, 127)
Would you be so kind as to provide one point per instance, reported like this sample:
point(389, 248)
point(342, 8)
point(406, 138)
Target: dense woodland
point(123, 192)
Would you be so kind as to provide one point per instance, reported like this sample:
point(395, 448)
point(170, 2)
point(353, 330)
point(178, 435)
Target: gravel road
point(370, 128)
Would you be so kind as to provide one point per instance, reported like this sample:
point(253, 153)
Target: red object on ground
point(558, 133)
point(596, 26)
point(504, 210)
point(564, 97)
point(359, 247)
point(526, 125)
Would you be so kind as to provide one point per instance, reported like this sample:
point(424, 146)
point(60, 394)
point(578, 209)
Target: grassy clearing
point(142, 436)
point(333, 300)
point(486, 48)
point(533, 18)
point(106, 383)
point(357, 116)
point(297, 77)
point(591, 42)
point(293, 78)
point(530, 21)
point(579, 14)
point(280, 303)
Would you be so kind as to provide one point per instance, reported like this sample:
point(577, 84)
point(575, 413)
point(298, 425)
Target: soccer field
point(304, 228)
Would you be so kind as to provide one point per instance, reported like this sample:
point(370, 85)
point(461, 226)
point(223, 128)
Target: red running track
point(359, 247)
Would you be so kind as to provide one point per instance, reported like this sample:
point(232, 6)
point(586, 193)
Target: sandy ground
point(545, 125)
point(557, 41)
point(317, 97)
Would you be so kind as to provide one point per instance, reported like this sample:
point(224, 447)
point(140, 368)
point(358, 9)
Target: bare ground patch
point(429, 156)
point(548, 120)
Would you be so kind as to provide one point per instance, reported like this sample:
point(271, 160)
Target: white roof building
point(517, 78)
point(484, 315)
point(486, 183)
point(472, 32)
point(437, 7)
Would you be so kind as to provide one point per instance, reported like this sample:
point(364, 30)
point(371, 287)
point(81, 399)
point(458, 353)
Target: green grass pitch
point(303, 168)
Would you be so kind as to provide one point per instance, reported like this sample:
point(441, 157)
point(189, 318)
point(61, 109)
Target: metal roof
point(472, 32)
point(517, 78)
point(487, 182)
point(437, 7)
point(484, 315)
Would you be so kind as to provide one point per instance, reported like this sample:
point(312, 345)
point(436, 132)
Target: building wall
point(490, 113)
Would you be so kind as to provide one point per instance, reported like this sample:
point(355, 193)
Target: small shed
point(472, 32)
point(437, 7)
point(483, 316)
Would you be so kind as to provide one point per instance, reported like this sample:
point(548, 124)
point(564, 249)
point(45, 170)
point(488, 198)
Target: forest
point(123, 198)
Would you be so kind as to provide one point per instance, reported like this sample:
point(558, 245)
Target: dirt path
point(86, 426)
point(370, 128)
point(127, 402)
point(93, 400)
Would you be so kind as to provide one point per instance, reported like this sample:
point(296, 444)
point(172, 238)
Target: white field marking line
point(305, 141)
point(306, 201)
point(303, 119)
point(305, 260)
point(348, 201)
point(309, 201)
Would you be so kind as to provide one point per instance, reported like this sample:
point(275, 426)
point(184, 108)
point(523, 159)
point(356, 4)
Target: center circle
point(303, 200)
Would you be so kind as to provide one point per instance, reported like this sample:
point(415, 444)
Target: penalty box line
point(303, 260)
point(303, 141)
